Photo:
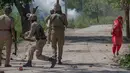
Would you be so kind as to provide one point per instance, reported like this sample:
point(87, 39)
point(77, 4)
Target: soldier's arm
point(65, 20)
point(47, 18)
point(32, 31)
point(29, 35)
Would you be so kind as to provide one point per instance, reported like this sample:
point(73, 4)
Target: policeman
point(58, 22)
point(38, 32)
point(6, 34)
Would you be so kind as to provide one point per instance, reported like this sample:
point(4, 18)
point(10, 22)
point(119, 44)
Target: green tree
point(126, 5)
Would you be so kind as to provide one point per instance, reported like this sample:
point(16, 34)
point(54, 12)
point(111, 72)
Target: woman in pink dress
point(117, 35)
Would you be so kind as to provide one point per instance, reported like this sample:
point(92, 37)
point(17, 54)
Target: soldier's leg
point(60, 47)
point(30, 56)
point(39, 48)
point(54, 45)
point(31, 52)
point(40, 45)
point(48, 36)
point(1, 47)
point(8, 52)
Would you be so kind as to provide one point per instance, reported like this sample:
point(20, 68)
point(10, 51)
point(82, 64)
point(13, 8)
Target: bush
point(17, 23)
point(125, 61)
point(106, 19)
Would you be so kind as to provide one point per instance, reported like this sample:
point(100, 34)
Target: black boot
point(28, 64)
point(53, 62)
point(117, 53)
point(59, 62)
point(2, 72)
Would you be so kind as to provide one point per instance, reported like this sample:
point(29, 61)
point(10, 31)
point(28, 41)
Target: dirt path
point(86, 50)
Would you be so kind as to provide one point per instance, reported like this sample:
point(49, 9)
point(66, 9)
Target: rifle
point(15, 43)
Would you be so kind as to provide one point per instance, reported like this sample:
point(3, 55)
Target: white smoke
point(46, 5)
point(72, 14)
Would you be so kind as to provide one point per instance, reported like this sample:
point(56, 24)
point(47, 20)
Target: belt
point(40, 38)
point(4, 29)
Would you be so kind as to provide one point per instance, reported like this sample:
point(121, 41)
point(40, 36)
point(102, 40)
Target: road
point(86, 50)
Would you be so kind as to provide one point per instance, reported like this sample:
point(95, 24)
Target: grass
point(125, 61)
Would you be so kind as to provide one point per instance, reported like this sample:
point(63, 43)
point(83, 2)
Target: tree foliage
point(3, 2)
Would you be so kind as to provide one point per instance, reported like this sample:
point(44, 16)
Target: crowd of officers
point(56, 24)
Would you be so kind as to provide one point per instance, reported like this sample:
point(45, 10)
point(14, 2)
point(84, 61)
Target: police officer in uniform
point(58, 22)
point(38, 32)
point(6, 33)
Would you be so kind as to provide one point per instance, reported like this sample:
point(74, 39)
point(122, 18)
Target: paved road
point(86, 50)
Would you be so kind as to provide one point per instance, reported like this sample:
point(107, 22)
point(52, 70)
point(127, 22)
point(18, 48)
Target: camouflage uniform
point(58, 22)
point(37, 31)
point(6, 32)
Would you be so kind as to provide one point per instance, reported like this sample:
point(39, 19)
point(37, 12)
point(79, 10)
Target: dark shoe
point(28, 64)
point(8, 66)
point(59, 62)
point(2, 72)
point(117, 53)
point(53, 62)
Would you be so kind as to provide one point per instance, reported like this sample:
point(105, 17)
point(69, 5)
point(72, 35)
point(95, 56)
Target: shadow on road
point(76, 71)
point(93, 39)
point(86, 64)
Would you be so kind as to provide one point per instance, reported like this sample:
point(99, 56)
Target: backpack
point(39, 32)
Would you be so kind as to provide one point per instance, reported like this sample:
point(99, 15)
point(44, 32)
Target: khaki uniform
point(57, 25)
point(38, 47)
point(38, 32)
point(6, 24)
point(48, 30)
point(48, 24)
